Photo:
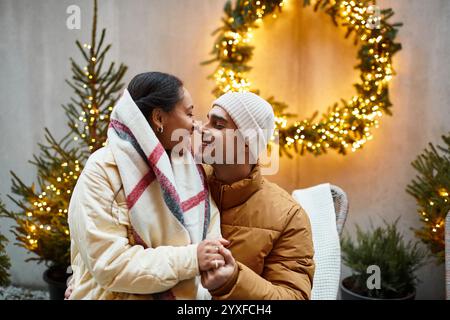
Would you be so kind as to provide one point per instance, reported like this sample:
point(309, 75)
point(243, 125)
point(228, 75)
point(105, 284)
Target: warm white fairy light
point(351, 126)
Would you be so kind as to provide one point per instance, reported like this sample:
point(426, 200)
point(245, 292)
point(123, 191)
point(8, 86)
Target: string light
point(443, 192)
point(347, 126)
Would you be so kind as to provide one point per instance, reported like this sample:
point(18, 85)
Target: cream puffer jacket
point(106, 264)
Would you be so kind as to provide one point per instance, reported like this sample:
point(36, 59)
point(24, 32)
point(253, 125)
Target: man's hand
point(214, 279)
point(208, 254)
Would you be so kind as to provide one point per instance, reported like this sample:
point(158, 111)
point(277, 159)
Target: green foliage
point(4, 259)
point(4, 263)
point(347, 124)
point(41, 221)
point(431, 189)
point(384, 247)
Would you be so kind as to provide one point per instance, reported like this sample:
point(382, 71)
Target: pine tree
point(431, 189)
point(41, 220)
point(4, 263)
point(4, 259)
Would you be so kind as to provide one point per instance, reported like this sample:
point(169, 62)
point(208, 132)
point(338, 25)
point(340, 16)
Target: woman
point(139, 217)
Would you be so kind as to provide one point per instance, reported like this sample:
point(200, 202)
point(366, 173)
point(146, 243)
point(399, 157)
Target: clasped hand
point(216, 263)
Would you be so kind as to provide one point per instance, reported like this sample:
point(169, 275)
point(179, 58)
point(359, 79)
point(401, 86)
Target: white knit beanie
point(252, 115)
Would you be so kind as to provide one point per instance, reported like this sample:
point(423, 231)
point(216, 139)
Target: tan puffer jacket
point(270, 238)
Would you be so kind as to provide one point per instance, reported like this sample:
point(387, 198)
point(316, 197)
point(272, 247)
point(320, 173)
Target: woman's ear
point(158, 118)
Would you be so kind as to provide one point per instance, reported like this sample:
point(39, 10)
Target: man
point(270, 255)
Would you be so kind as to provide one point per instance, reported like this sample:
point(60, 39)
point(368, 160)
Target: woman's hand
point(208, 254)
point(68, 292)
point(214, 279)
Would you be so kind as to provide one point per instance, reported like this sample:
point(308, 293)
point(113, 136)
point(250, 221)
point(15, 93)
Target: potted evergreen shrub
point(384, 248)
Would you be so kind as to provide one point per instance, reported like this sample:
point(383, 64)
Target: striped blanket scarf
point(159, 189)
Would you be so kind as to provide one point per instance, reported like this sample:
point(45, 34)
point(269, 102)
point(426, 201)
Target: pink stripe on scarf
point(194, 201)
point(122, 127)
point(156, 154)
point(139, 189)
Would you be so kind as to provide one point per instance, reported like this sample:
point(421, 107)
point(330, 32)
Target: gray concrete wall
point(301, 58)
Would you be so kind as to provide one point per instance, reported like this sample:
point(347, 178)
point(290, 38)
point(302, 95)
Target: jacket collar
point(229, 196)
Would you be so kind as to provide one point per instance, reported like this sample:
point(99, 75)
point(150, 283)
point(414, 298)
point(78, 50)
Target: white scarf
point(158, 190)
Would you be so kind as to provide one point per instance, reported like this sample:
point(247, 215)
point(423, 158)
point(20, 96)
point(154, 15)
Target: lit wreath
point(347, 124)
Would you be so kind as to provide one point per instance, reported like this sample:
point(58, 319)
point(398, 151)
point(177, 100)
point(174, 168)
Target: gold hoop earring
point(161, 129)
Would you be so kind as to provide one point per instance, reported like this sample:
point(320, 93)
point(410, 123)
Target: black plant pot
point(347, 294)
point(56, 279)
